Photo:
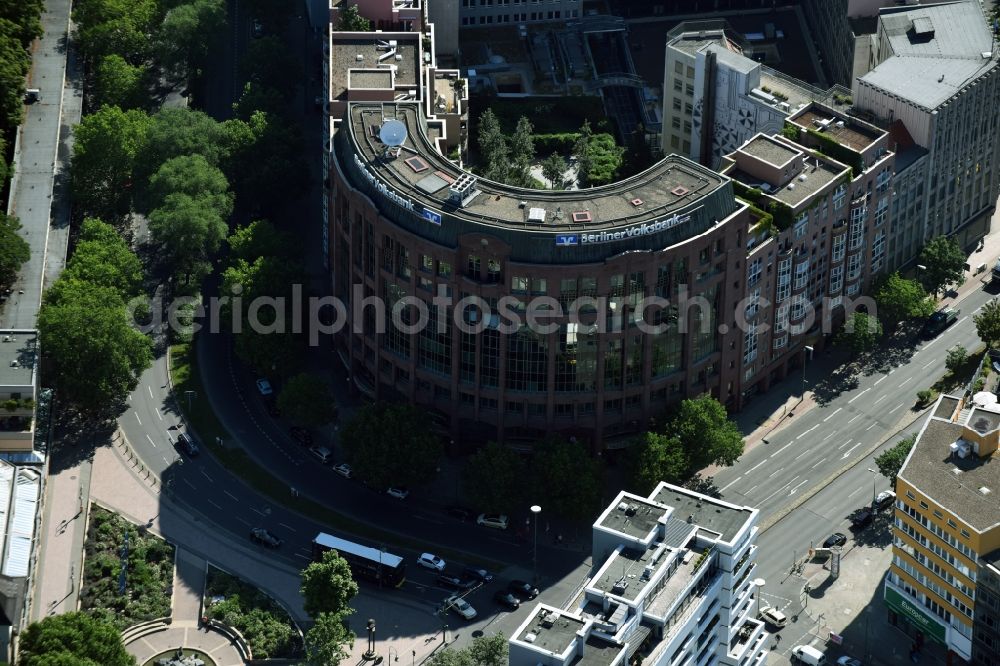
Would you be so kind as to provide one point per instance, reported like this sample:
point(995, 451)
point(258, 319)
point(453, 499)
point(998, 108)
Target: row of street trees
point(20, 24)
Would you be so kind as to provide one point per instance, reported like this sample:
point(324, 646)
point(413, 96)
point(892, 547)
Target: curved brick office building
point(414, 225)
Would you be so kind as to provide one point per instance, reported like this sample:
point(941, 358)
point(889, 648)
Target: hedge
point(562, 143)
point(831, 148)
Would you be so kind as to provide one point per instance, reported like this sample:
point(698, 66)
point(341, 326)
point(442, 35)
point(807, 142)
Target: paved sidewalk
point(193, 640)
point(189, 583)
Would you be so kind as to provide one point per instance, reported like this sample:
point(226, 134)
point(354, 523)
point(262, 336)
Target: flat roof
point(597, 652)
point(853, 134)
point(818, 176)
point(666, 596)
point(633, 516)
point(692, 42)
point(344, 52)
point(554, 636)
point(707, 513)
point(951, 481)
point(18, 356)
point(625, 568)
point(420, 173)
point(768, 150)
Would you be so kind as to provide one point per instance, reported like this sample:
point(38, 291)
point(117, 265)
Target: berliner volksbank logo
point(565, 240)
point(645, 229)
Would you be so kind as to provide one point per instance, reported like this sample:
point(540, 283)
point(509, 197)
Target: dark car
point(264, 537)
point(522, 589)
point(507, 600)
point(187, 444)
point(460, 512)
point(256, 29)
point(861, 518)
point(302, 436)
point(481, 575)
point(939, 321)
point(835, 539)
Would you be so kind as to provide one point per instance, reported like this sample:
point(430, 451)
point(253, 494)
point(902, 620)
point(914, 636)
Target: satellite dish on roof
point(392, 133)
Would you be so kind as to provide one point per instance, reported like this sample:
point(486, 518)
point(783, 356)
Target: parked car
point(187, 444)
point(398, 492)
point(451, 582)
point(807, 654)
point(264, 537)
point(461, 606)
point(507, 600)
point(773, 617)
point(256, 29)
point(460, 512)
point(848, 661)
point(322, 454)
point(264, 387)
point(497, 521)
point(344, 470)
point(835, 539)
point(302, 436)
point(431, 561)
point(885, 499)
point(939, 321)
point(479, 574)
point(861, 518)
point(522, 589)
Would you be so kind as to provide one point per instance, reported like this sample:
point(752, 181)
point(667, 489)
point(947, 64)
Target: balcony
point(749, 633)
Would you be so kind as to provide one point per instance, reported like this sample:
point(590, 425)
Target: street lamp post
point(805, 350)
point(759, 583)
point(413, 657)
point(390, 650)
point(875, 474)
point(535, 509)
point(370, 652)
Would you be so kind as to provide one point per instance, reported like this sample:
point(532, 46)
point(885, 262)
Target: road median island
point(182, 368)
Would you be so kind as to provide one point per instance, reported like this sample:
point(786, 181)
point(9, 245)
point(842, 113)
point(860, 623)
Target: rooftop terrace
point(633, 516)
point(550, 630)
point(720, 518)
point(853, 134)
point(420, 173)
point(18, 352)
point(376, 54)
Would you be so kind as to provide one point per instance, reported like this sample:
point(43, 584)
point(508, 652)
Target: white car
point(431, 561)
point(773, 617)
point(885, 499)
point(398, 493)
point(344, 470)
point(497, 521)
point(460, 606)
point(264, 387)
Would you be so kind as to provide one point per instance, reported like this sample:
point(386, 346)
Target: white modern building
point(672, 582)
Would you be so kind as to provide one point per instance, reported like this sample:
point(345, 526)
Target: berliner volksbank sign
point(644, 229)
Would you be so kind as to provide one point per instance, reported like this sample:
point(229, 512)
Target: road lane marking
point(307, 559)
point(245, 522)
point(189, 483)
point(930, 343)
point(804, 453)
point(976, 311)
point(756, 466)
point(150, 440)
point(428, 520)
point(851, 450)
point(871, 426)
point(845, 443)
point(807, 432)
point(859, 395)
point(235, 498)
point(880, 380)
point(214, 504)
point(205, 474)
point(731, 483)
point(775, 472)
point(959, 322)
point(150, 389)
point(879, 400)
point(259, 512)
point(865, 487)
point(158, 414)
point(781, 449)
point(792, 491)
point(137, 417)
point(828, 436)
point(905, 382)
point(818, 464)
point(895, 408)
point(779, 490)
point(287, 527)
point(832, 415)
point(928, 364)
point(855, 419)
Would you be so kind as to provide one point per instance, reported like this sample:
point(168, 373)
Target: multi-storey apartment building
point(947, 530)
point(986, 612)
point(18, 388)
point(821, 233)
point(672, 584)
point(934, 68)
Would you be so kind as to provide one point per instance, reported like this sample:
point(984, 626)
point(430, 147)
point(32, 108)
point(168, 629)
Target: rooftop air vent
point(941, 78)
point(530, 637)
point(359, 57)
point(802, 178)
point(548, 619)
point(679, 191)
point(14, 363)
point(956, 471)
point(620, 586)
point(983, 490)
point(636, 202)
point(582, 216)
point(536, 215)
point(623, 506)
point(690, 519)
point(791, 186)
point(462, 189)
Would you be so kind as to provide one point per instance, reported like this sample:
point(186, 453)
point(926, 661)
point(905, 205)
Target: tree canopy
point(861, 333)
point(566, 479)
point(657, 457)
point(899, 298)
point(493, 149)
point(96, 355)
point(257, 239)
point(943, 263)
point(553, 168)
point(269, 64)
point(327, 586)
point(307, 401)
point(987, 323)
point(105, 27)
point(14, 250)
point(194, 176)
point(351, 20)
point(102, 258)
point(890, 461)
point(186, 32)
point(391, 445)
point(118, 83)
point(705, 433)
point(189, 231)
point(483, 651)
point(328, 641)
point(494, 478)
point(522, 153)
point(72, 639)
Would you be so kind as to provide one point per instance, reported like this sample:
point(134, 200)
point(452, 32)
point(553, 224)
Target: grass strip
point(185, 377)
